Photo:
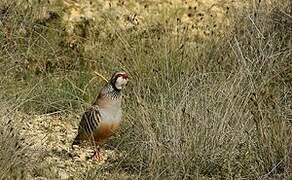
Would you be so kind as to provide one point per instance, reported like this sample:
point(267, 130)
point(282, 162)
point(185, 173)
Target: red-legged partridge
point(104, 116)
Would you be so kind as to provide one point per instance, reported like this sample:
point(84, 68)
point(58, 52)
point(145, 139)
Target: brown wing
point(90, 121)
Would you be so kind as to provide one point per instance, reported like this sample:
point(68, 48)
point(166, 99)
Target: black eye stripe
point(117, 77)
point(120, 75)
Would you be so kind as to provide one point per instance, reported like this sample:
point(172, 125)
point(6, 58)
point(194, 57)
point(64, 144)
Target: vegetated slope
point(216, 107)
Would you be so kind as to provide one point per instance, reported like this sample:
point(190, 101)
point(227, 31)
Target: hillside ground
point(209, 95)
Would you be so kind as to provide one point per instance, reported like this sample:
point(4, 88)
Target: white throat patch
point(120, 82)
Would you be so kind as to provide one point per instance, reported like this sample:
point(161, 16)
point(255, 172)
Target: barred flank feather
point(91, 119)
point(88, 124)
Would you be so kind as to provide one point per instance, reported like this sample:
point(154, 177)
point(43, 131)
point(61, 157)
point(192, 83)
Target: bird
point(104, 116)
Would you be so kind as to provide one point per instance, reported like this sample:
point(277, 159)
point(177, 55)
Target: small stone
point(63, 174)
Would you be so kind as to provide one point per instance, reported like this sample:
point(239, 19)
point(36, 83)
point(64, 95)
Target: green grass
point(213, 109)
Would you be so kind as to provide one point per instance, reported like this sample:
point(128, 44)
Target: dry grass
point(213, 109)
point(16, 158)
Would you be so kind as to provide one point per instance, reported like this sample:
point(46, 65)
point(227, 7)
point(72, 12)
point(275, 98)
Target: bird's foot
point(97, 156)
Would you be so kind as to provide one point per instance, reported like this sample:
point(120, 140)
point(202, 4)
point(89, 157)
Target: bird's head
point(119, 80)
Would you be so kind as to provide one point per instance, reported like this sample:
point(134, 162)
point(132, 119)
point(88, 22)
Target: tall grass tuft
point(17, 160)
point(218, 108)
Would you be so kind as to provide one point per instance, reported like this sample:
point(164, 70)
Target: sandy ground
point(51, 136)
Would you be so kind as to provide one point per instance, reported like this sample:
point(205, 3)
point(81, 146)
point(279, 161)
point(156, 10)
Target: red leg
point(97, 156)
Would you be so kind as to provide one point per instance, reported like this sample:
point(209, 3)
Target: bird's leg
point(97, 156)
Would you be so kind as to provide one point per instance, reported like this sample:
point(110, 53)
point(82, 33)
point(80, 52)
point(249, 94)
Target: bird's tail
point(76, 141)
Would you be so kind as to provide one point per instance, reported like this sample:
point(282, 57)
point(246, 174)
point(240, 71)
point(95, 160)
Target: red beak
point(125, 76)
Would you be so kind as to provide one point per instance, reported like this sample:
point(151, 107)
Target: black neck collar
point(114, 87)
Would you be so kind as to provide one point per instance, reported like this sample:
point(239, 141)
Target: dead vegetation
point(216, 106)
